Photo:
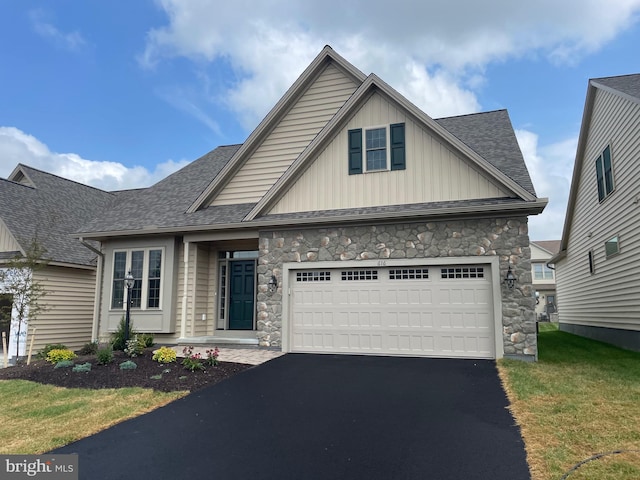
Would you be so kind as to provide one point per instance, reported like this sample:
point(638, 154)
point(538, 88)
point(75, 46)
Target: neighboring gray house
point(348, 222)
point(596, 270)
point(38, 206)
point(544, 279)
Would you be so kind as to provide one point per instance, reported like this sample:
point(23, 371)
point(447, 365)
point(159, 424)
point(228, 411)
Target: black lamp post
point(128, 281)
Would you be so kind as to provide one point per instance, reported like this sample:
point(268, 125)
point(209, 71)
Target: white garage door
point(443, 311)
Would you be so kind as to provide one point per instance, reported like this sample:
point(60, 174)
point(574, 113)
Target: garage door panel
point(413, 311)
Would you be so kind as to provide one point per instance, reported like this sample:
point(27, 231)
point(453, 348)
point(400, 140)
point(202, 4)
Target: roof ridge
point(616, 76)
point(16, 183)
point(63, 178)
point(473, 113)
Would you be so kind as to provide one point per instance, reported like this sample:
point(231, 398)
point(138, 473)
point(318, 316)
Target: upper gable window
point(383, 148)
point(542, 272)
point(604, 174)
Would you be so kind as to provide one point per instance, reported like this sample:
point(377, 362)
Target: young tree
point(16, 280)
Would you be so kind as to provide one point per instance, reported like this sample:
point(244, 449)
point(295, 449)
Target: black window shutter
point(397, 147)
point(355, 151)
point(600, 178)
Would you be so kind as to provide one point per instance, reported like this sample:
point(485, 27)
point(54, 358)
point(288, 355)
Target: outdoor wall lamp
point(510, 279)
point(128, 281)
point(273, 284)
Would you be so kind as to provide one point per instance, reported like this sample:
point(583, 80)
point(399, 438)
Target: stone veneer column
point(506, 238)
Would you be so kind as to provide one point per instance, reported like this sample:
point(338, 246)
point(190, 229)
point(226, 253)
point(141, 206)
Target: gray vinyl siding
point(289, 138)
point(68, 314)
point(611, 296)
point(433, 171)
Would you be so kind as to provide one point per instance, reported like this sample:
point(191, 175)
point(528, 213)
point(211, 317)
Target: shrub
point(83, 367)
point(64, 364)
point(59, 354)
point(147, 340)
point(134, 346)
point(117, 338)
point(105, 356)
point(191, 361)
point(164, 355)
point(128, 365)
point(90, 348)
point(50, 346)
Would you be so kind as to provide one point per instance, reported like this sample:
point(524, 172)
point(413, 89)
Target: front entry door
point(242, 295)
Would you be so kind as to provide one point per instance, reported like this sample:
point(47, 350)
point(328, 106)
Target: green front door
point(242, 294)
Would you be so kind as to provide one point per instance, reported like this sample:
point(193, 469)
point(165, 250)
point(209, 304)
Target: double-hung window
point(604, 174)
point(145, 266)
point(376, 149)
point(542, 272)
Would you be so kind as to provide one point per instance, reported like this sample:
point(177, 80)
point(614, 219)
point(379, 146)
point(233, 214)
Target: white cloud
point(17, 146)
point(551, 168)
point(71, 41)
point(430, 51)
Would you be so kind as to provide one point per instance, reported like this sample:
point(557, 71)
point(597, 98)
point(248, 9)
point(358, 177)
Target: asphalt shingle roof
point(50, 211)
point(491, 135)
point(628, 84)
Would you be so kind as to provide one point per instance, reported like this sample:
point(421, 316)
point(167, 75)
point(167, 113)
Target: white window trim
point(365, 163)
point(145, 278)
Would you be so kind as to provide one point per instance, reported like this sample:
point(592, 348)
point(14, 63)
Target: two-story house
point(543, 278)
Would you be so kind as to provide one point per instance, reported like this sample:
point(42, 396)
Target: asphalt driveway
point(326, 417)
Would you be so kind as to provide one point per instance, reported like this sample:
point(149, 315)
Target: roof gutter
point(528, 208)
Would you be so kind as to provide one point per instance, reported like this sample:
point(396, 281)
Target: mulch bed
point(173, 376)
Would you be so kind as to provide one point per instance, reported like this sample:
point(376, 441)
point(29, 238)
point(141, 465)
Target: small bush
point(58, 355)
point(50, 346)
point(117, 338)
point(135, 346)
point(128, 365)
point(105, 356)
point(64, 364)
point(156, 377)
point(164, 355)
point(90, 348)
point(83, 367)
point(147, 339)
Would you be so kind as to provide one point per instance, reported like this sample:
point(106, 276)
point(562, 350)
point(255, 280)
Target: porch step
point(218, 341)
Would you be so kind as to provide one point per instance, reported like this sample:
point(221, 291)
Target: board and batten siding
point(7, 242)
point(611, 296)
point(67, 317)
point(289, 138)
point(433, 171)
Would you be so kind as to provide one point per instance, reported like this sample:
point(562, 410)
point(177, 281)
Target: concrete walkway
point(248, 355)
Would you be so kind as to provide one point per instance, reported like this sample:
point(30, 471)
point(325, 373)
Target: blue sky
point(120, 94)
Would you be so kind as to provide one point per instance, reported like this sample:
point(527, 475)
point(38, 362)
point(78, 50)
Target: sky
point(120, 94)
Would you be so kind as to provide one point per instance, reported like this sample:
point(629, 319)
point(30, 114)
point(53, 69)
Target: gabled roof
point(550, 246)
point(41, 206)
point(327, 55)
point(624, 86)
point(494, 146)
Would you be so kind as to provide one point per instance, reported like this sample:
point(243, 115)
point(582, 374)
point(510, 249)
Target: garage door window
point(313, 276)
point(408, 273)
point(349, 275)
point(462, 272)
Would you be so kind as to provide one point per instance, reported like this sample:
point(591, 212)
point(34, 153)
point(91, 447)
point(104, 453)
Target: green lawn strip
point(36, 418)
point(581, 398)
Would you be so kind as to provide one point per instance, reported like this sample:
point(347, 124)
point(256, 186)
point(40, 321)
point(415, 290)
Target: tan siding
point(201, 291)
point(610, 297)
point(289, 138)
point(68, 314)
point(7, 242)
point(434, 172)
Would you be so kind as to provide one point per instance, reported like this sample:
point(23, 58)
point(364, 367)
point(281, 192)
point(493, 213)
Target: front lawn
point(581, 399)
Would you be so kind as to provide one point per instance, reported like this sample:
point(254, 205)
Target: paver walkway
point(248, 355)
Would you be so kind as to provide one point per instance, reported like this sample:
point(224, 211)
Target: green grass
point(581, 398)
point(44, 417)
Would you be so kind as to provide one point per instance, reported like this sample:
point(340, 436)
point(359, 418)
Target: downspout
point(95, 326)
point(185, 288)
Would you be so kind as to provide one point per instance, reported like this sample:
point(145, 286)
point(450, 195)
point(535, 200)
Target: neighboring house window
point(542, 272)
point(146, 268)
point(612, 246)
point(604, 174)
point(591, 266)
point(379, 149)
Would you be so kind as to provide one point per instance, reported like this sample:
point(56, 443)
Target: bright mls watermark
point(51, 467)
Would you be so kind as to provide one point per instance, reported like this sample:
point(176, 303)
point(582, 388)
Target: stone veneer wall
point(505, 237)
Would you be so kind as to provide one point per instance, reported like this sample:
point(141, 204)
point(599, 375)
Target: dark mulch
point(173, 376)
